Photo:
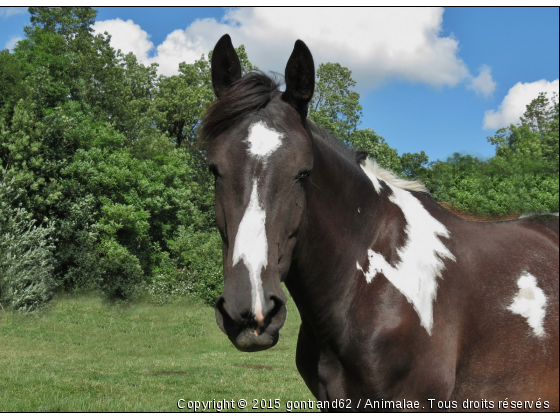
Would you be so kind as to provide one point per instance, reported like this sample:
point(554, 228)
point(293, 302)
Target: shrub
point(77, 252)
point(199, 260)
point(26, 255)
point(120, 271)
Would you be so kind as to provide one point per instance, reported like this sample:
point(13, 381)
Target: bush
point(199, 260)
point(120, 271)
point(77, 252)
point(26, 255)
point(496, 187)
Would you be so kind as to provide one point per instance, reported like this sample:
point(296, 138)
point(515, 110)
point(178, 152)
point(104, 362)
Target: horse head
point(261, 154)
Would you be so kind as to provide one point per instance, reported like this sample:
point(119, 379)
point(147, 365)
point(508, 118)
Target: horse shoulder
point(307, 357)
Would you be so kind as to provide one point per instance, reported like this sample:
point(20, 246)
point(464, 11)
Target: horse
point(403, 305)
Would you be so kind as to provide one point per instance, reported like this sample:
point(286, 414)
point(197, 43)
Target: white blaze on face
point(251, 247)
point(415, 276)
point(530, 302)
point(263, 141)
point(251, 244)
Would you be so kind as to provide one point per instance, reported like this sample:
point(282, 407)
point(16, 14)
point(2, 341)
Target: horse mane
point(253, 92)
point(339, 146)
point(359, 157)
point(394, 180)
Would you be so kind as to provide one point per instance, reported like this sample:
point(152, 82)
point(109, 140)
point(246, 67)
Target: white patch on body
point(530, 302)
point(251, 244)
point(262, 140)
point(251, 247)
point(415, 276)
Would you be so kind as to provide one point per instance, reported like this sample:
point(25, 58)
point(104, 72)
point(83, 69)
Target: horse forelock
point(255, 91)
point(244, 97)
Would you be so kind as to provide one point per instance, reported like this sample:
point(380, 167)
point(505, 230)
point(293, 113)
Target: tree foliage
point(27, 278)
point(88, 135)
point(104, 186)
point(335, 105)
point(369, 141)
point(522, 177)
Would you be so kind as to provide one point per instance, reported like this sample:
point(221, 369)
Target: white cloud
point(515, 103)
point(11, 43)
point(127, 37)
point(483, 84)
point(6, 12)
point(375, 43)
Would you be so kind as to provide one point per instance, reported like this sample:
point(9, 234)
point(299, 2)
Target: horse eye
point(214, 170)
point(303, 174)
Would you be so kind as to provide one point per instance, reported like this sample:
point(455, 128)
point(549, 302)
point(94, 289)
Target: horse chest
point(342, 384)
point(335, 372)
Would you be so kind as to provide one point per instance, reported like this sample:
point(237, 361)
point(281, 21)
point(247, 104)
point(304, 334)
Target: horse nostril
point(274, 305)
point(221, 308)
point(231, 317)
point(224, 320)
point(246, 316)
point(220, 305)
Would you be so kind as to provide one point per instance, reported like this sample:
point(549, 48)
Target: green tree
point(335, 106)
point(11, 81)
point(26, 253)
point(522, 177)
point(415, 165)
point(376, 147)
point(540, 113)
point(535, 139)
point(97, 144)
point(80, 134)
point(70, 22)
point(183, 99)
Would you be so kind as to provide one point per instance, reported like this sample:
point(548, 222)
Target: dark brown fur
point(363, 341)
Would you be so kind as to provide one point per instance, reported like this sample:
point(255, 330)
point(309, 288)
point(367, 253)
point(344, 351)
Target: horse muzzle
point(244, 330)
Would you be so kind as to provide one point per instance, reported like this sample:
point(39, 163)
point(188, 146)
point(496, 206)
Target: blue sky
point(434, 80)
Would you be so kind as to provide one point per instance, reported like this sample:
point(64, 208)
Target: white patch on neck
point(262, 140)
point(376, 173)
point(530, 303)
point(369, 169)
point(251, 247)
point(415, 276)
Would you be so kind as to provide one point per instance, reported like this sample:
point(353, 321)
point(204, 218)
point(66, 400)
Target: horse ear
point(226, 67)
point(300, 79)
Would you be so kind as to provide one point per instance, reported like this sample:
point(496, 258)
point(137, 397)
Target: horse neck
point(337, 228)
point(353, 216)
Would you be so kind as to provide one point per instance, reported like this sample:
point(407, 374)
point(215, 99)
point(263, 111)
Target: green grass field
point(82, 354)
